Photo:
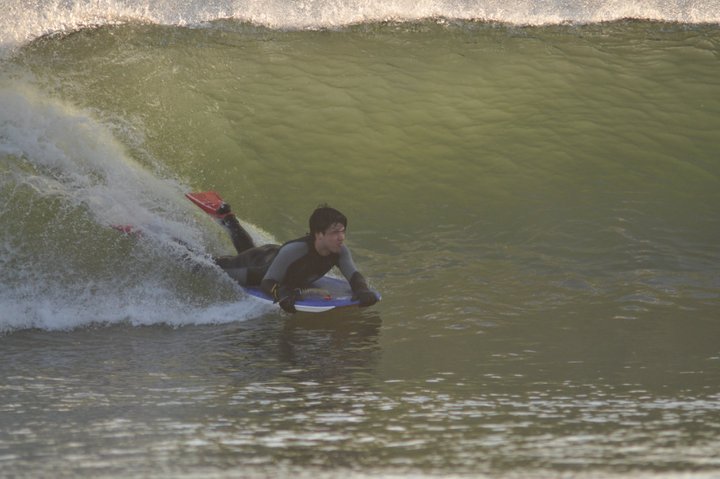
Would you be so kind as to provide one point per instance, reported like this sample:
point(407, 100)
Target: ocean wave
point(20, 24)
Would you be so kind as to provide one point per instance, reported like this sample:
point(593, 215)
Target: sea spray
point(65, 182)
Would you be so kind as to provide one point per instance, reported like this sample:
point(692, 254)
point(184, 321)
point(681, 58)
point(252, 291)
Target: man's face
point(331, 240)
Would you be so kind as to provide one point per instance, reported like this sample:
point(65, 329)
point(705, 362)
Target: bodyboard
point(323, 295)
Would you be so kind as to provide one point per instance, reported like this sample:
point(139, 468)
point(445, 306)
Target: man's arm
point(271, 283)
point(357, 281)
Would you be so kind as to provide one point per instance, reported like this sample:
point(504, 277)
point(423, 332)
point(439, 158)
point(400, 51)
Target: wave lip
point(19, 25)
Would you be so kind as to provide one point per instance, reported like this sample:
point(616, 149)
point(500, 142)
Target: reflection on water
point(312, 394)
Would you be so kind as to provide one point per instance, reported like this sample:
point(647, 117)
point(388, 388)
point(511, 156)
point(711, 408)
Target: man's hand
point(287, 298)
point(366, 298)
point(361, 291)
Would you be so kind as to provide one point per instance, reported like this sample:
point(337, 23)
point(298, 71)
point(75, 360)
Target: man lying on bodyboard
point(281, 272)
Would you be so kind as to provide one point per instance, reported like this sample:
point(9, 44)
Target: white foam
point(20, 24)
point(147, 305)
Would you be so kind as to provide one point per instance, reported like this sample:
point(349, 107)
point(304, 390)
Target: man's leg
point(240, 238)
point(249, 267)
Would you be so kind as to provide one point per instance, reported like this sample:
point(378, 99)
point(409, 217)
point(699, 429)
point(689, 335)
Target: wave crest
point(19, 25)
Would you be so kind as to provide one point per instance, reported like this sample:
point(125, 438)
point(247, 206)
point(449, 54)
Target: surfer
point(282, 270)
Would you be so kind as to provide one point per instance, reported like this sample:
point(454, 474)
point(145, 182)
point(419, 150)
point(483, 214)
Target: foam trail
point(148, 304)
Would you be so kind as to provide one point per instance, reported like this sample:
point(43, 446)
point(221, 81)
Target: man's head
point(324, 217)
point(327, 226)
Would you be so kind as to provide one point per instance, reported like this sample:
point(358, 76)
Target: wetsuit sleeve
point(345, 263)
point(357, 281)
point(275, 275)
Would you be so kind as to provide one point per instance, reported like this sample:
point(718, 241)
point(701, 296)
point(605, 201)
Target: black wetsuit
point(296, 264)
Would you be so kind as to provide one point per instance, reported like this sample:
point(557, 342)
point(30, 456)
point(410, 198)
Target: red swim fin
point(211, 203)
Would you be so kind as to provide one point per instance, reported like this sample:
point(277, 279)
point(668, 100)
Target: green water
point(538, 206)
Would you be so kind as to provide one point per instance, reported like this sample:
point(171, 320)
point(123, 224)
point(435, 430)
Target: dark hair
point(324, 217)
